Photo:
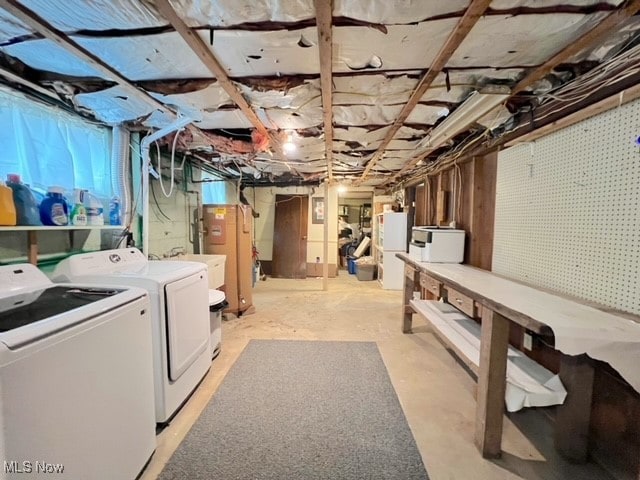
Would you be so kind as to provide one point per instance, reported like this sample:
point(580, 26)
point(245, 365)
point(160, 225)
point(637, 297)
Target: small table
point(501, 301)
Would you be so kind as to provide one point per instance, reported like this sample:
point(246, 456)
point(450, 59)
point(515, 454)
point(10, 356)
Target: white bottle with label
point(95, 209)
point(79, 211)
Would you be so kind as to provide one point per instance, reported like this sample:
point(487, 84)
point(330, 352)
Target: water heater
point(227, 231)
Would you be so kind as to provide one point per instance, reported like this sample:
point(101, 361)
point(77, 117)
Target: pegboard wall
point(568, 210)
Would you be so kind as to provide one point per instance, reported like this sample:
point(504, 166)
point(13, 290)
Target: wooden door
point(289, 258)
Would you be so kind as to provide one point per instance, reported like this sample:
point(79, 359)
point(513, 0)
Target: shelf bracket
point(32, 252)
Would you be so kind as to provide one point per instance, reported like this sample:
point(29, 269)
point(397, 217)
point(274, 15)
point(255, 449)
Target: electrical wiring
point(624, 64)
point(581, 88)
point(155, 199)
point(239, 183)
point(458, 214)
point(173, 158)
point(587, 80)
point(234, 134)
point(582, 97)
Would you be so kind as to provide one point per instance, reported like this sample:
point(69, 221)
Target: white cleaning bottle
point(79, 212)
point(94, 208)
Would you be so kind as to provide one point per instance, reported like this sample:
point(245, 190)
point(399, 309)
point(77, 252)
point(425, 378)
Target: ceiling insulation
point(507, 41)
point(509, 4)
point(269, 51)
point(113, 105)
point(96, 15)
point(11, 27)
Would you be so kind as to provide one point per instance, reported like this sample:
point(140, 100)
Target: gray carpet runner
point(301, 410)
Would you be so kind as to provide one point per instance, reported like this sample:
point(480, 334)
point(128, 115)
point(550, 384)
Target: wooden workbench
point(499, 301)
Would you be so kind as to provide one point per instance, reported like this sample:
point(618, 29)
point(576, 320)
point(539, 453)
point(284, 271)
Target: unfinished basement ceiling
point(396, 68)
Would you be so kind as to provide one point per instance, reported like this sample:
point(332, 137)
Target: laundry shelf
point(26, 228)
point(32, 234)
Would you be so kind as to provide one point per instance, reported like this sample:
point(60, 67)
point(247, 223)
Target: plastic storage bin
point(365, 272)
point(351, 265)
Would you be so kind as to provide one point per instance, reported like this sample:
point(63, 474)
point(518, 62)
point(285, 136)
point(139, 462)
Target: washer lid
point(21, 278)
point(29, 307)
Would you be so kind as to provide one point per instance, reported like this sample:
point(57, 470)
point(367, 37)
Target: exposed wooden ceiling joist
point(324, 16)
point(46, 30)
point(606, 26)
point(473, 13)
point(12, 77)
point(211, 62)
point(630, 8)
point(617, 100)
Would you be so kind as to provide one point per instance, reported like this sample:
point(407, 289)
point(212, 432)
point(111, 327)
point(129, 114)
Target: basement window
point(47, 146)
point(214, 189)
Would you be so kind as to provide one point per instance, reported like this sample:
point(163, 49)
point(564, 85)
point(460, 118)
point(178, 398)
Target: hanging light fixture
point(288, 146)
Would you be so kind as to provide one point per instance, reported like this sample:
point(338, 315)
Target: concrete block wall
point(264, 202)
point(171, 219)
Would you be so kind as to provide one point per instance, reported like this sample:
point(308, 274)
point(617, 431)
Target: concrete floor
point(436, 394)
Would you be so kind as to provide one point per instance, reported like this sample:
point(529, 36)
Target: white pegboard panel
point(568, 210)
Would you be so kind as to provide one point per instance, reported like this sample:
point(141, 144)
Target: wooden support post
point(325, 239)
point(410, 195)
point(442, 195)
point(411, 283)
point(574, 416)
point(480, 234)
point(494, 341)
point(32, 242)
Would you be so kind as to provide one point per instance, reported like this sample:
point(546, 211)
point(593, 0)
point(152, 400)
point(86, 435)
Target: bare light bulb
point(289, 146)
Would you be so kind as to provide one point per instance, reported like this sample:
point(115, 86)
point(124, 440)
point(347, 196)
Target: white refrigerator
point(391, 238)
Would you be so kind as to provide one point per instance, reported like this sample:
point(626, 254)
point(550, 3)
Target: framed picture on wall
point(317, 214)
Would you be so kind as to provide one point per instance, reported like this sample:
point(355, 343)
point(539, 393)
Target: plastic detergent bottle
point(78, 212)
point(7, 207)
point(54, 209)
point(94, 208)
point(27, 212)
point(114, 211)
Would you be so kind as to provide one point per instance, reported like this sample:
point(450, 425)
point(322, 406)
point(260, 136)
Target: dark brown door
point(289, 259)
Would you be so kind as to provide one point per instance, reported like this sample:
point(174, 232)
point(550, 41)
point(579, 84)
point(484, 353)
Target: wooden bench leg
point(411, 282)
point(574, 416)
point(494, 343)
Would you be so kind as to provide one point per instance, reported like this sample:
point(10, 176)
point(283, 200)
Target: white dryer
point(75, 378)
point(179, 295)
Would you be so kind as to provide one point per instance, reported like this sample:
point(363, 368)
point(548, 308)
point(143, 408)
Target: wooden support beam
point(473, 13)
point(411, 284)
point(325, 238)
point(410, 195)
point(616, 100)
point(605, 27)
point(47, 31)
point(574, 415)
point(324, 19)
point(32, 247)
point(207, 57)
point(585, 41)
point(494, 342)
point(12, 77)
point(483, 203)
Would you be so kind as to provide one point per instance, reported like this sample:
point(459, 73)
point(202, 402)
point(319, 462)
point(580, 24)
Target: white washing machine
point(179, 295)
point(76, 392)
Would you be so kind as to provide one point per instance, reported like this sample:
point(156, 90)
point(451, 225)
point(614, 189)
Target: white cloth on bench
point(529, 384)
